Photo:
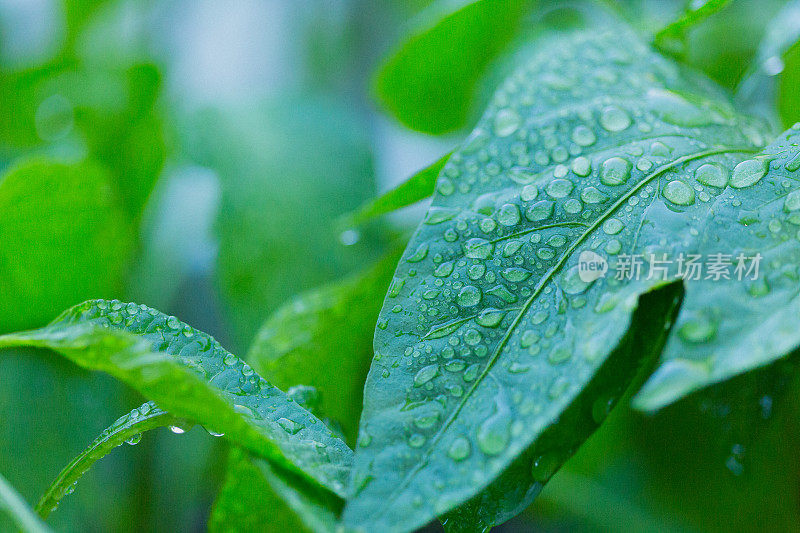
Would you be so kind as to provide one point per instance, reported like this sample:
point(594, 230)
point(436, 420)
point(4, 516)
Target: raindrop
point(679, 193)
point(508, 215)
point(615, 171)
point(459, 449)
point(748, 173)
point(469, 296)
point(506, 122)
point(559, 188)
point(539, 211)
point(614, 119)
point(711, 175)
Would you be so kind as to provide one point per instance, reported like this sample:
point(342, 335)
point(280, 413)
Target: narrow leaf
point(508, 303)
point(672, 38)
point(428, 84)
point(15, 507)
point(189, 374)
point(414, 189)
point(128, 428)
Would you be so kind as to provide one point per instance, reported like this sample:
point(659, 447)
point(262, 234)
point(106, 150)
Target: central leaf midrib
point(545, 279)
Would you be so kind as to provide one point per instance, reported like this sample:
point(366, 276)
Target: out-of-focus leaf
point(323, 339)
point(430, 81)
point(287, 172)
point(492, 331)
point(774, 75)
point(14, 506)
point(672, 38)
point(188, 373)
point(64, 238)
point(416, 188)
point(128, 428)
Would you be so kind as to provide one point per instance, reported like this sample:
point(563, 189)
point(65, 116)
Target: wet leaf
point(746, 317)
point(127, 428)
point(187, 373)
point(507, 302)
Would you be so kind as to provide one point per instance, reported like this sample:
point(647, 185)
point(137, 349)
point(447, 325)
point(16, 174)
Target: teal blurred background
point(199, 155)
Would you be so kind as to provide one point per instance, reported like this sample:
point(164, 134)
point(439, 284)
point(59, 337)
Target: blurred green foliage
point(93, 133)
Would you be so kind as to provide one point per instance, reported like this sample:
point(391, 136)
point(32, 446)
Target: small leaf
point(128, 428)
point(188, 373)
point(15, 507)
point(591, 144)
point(428, 83)
point(416, 188)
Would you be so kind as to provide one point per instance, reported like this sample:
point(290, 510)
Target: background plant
point(118, 186)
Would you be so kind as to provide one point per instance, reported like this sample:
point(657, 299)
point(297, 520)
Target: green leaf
point(321, 339)
point(260, 496)
point(15, 507)
point(672, 38)
point(416, 188)
point(729, 326)
point(128, 428)
point(622, 374)
point(593, 143)
point(774, 74)
point(64, 238)
point(247, 501)
point(188, 373)
point(429, 82)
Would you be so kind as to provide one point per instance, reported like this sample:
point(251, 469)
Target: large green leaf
point(490, 332)
point(64, 238)
point(747, 319)
point(188, 373)
point(430, 81)
point(14, 506)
